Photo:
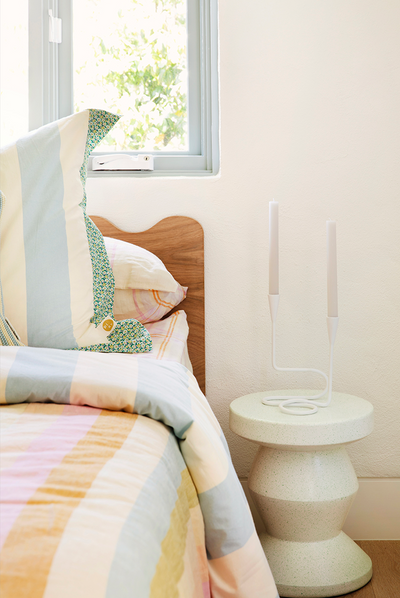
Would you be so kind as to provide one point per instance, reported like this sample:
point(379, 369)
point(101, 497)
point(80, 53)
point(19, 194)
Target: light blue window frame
point(51, 96)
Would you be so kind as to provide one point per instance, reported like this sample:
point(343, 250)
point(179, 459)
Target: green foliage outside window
point(139, 69)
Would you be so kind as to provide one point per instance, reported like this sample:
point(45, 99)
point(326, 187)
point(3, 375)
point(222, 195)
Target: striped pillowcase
point(144, 288)
point(146, 306)
point(169, 338)
point(8, 335)
point(58, 284)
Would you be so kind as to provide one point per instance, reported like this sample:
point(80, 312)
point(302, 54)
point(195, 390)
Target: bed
point(116, 479)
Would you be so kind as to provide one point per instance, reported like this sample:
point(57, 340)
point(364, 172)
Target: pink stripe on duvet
point(31, 469)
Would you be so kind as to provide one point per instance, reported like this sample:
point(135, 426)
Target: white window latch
point(55, 29)
point(123, 162)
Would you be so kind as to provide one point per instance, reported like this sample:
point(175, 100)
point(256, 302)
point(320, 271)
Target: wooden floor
point(385, 582)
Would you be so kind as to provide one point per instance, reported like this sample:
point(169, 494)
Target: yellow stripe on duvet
point(203, 443)
point(128, 473)
point(195, 581)
point(97, 376)
point(21, 433)
point(48, 511)
point(9, 414)
point(170, 566)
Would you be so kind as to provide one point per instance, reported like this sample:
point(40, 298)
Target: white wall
point(310, 95)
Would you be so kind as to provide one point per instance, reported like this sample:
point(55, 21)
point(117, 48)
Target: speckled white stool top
point(347, 419)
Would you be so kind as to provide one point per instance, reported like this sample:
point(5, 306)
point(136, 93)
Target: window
point(152, 61)
point(131, 57)
point(14, 67)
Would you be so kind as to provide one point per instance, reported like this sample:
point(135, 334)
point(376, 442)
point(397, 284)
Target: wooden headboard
point(179, 243)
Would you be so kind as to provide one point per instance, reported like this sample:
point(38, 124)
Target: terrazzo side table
point(303, 484)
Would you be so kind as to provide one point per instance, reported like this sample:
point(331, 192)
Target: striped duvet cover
point(116, 481)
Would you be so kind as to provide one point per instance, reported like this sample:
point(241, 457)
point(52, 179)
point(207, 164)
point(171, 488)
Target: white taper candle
point(332, 269)
point(273, 248)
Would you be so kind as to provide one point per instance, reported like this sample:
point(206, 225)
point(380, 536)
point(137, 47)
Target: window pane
point(14, 84)
point(130, 58)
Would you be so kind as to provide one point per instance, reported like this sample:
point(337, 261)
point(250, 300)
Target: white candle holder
point(288, 403)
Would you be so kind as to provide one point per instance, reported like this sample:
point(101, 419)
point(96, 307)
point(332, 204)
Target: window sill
point(150, 174)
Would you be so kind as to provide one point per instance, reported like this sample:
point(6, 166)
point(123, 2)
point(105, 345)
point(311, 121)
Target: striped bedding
point(116, 481)
point(169, 339)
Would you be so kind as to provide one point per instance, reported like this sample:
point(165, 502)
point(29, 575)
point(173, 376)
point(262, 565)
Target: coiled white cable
point(288, 402)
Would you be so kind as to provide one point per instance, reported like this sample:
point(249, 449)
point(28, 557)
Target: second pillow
point(145, 289)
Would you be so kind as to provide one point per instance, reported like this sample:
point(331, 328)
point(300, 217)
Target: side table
point(303, 483)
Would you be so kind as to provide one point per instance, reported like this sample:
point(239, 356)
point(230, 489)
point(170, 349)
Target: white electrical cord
point(288, 402)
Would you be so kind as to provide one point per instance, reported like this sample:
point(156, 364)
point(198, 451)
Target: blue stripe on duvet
point(138, 551)
point(45, 238)
point(161, 398)
point(41, 375)
point(227, 526)
point(228, 523)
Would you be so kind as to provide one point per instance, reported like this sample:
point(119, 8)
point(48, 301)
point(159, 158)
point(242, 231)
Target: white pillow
point(137, 268)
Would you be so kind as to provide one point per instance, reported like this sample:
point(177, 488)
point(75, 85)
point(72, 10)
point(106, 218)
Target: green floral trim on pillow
point(8, 336)
point(100, 123)
point(126, 337)
point(129, 336)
